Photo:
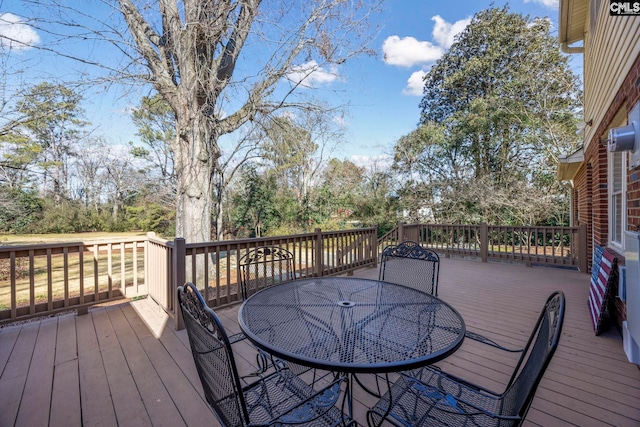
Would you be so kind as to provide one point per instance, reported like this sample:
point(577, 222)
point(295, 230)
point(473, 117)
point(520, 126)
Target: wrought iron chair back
point(213, 358)
point(278, 398)
point(410, 264)
point(535, 357)
point(265, 266)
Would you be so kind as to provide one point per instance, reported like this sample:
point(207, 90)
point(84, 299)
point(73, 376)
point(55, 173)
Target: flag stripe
point(604, 263)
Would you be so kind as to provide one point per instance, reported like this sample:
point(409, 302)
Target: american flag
point(604, 263)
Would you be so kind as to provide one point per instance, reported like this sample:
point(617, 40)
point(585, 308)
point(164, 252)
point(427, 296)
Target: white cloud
point(15, 34)
point(408, 51)
point(311, 74)
point(415, 84)
point(444, 33)
point(370, 162)
point(552, 4)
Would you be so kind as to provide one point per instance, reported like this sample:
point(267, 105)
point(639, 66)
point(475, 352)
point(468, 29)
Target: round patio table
point(351, 325)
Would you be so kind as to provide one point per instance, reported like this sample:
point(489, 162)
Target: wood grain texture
point(126, 365)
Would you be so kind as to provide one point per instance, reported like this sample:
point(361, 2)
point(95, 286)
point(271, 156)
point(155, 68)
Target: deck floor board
point(95, 395)
point(125, 364)
point(65, 394)
point(35, 403)
point(15, 373)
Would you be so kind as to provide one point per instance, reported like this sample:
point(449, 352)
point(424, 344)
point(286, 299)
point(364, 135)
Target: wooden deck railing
point(38, 280)
point(48, 278)
point(213, 266)
point(558, 246)
point(43, 279)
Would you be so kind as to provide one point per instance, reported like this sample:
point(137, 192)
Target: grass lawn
point(55, 275)
point(29, 239)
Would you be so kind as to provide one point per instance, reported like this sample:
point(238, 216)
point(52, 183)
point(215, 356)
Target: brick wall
point(631, 95)
point(582, 202)
point(590, 184)
point(597, 155)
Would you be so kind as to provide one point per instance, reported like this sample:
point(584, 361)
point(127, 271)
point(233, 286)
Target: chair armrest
point(236, 337)
point(262, 358)
point(435, 370)
point(484, 340)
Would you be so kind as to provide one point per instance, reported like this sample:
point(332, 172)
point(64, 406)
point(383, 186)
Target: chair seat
point(283, 397)
point(434, 398)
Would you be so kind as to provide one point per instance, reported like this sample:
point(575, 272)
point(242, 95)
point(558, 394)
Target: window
point(617, 198)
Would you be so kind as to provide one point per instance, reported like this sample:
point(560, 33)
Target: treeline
point(57, 177)
point(498, 109)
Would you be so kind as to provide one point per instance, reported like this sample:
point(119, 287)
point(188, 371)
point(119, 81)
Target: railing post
point(583, 256)
point(484, 241)
point(179, 278)
point(373, 247)
point(411, 232)
point(400, 232)
point(319, 267)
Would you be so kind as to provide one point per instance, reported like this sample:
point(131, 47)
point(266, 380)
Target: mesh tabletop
point(351, 325)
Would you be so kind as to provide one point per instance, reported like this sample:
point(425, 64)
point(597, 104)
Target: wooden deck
point(124, 364)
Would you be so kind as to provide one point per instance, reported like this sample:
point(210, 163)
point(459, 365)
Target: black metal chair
point(410, 264)
point(432, 397)
point(265, 266)
point(280, 398)
point(260, 268)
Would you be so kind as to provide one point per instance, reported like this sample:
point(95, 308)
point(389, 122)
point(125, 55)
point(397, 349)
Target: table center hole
point(346, 303)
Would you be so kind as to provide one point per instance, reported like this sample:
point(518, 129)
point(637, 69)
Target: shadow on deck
point(124, 364)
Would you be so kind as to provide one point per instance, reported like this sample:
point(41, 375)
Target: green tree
point(498, 109)
point(294, 151)
point(379, 206)
point(156, 197)
point(148, 215)
point(156, 123)
point(52, 128)
point(288, 150)
point(18, 161)
point(342, 189)
point(255, 211)
point(19, 209)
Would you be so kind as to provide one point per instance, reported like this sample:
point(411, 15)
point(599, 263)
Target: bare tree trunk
point(194, 165)
point(218, 180)
point(218, 219)
point(114, 210)
point(191, 49)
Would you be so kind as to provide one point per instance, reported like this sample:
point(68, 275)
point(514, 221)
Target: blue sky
point(383, 90)
point(384, 109)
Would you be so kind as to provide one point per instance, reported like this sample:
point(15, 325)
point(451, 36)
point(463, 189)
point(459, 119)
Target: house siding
point(610, 54)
